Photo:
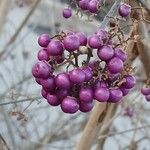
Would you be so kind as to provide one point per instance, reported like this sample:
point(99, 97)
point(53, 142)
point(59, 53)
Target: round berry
point(69, 105)
point(145, 90)
point(88, 73)
point(86, 107)
point(101, 94)
point(93, 6)
point(115, 95)
point(67, 13)
point(115, 65)
point(62, 93)
point(94, 41)
point(124, 10)
point(77, 76)
point(48, 84)
point(148, 98)
point(41, 70)
point(130, 82)
point(44, 40)
point(86, 95)
point(71, 43)
point(44, 93)
point(82, 38)
point(42, 55)
point(53, 100)
point(120, 54)
point(105, 53)
point(83, 4)
point(62, 81)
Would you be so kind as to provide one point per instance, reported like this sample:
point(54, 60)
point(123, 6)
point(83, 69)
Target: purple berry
point(101, 94)
point(103, 35)
point(77, 76)
point(67, 13)
point(44, 40)
point(130, 82)
point(48, 84)
point(115, 65)
point(53, 100)
point(99, 84)
point(71, 43)
point(145, 90)
point(124, 10)
point(83, 4)
point(115, 95)
point(86, 107)
point(42, 55)
point(86, 95)
point(62, 81)
point(44, 93)
point(124, 91)
point(105, 53)
point(120, 54)
point(93, 6)
point(94, 41)
point(148, 98)
point(88, 73)
point(41, 70)
point(82, 38)
point(69, 105)
point(55, 48)
point(62, 93)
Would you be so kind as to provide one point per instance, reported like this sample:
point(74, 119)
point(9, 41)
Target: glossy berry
point(48, 84)
point(145, 90)
point(103, 35)
point(41, 70)
point(115, 95)
point(67, 13)
point(93, 6)
point(148, 97)
point(77, 76)
point(105, 53)
point(82, 38)
point(124, 10)
point(69, 105)
point(53, 100)
point(62, 93)
point(88, 73)
point(71, 43)
point(115, 65)
point(86, 107)
point(44, 93)
point(62, 81)
point(55, 48)
point(124, 91)
point(94, 41)
point(83, 4)
point(100, 83)
point(101, 94)
point(43, 55)
point(120, 54)
point(44, 40)
point(86, 95)
point(129, 82)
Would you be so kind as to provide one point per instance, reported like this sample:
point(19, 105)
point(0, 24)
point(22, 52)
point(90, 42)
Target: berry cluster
point(145, 90)
point(106, 79)
point(93, 6)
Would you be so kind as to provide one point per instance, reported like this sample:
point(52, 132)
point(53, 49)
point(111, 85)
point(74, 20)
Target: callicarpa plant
point(97, 69)
point(106, 79)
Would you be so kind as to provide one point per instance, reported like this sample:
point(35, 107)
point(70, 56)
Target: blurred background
point(27, 122)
